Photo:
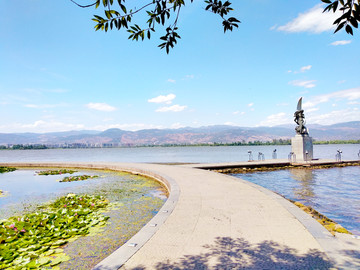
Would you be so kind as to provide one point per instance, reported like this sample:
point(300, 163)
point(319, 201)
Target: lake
point(190, 154)
point(334, 192)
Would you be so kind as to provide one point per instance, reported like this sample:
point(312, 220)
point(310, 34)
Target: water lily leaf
point(58, 250)
point(31, 264)
point(43, 260)
point(49, 252)
point(59, 259)
point(20, 260)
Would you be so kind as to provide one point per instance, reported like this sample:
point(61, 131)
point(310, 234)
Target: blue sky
point(58, 74)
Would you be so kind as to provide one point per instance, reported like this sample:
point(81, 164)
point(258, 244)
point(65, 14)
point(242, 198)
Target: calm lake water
point(334, 192)
point(203, 154)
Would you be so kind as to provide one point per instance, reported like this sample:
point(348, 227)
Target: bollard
point(306, 155)
point(250, 156)
point(292, 157)
point(274, 154)
point(338, 155)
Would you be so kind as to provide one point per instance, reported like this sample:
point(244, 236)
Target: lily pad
point(56, 172)
point(78, 178)
point(26, 239)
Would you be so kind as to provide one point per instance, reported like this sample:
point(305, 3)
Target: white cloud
point(276, 119)
point(251, 104)
point(177, 125)
point(163, 99)
point(171, 81)
point(341, 42)
point(174, 108)
point(41, 91)
point(34, 106)
point(230, 124)
point(127, 126)
point(41, 126)
point(44, 106)
point(301, 83)
point(312, 110)
point(36, 124)
point(302, 69)
point(101, 107)
point(305, 68)
point(189, 76)
point(283, 104)
point(354, 103)
point(349, 94)
point(313, 21)
point(273, 27)
point(60, 91)
point(330, 118)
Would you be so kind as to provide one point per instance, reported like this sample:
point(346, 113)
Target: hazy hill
point(187, 135)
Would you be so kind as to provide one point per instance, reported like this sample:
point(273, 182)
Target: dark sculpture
point(300, 120)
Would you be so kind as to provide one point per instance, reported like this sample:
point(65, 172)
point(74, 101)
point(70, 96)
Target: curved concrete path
point(214, 221)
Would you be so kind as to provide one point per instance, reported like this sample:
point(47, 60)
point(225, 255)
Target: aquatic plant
point(34, 240)
point(78, 178)
point(55, 172)
point(329, 224)
point(6, 169)
point(2, 193)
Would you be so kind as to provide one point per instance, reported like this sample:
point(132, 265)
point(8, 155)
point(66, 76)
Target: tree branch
point(86, 6)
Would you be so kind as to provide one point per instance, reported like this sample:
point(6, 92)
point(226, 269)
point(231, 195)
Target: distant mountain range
point(187, 135)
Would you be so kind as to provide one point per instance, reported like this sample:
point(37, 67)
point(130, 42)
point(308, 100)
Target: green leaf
point(354, 22)
point(348, 29)
point(341, 25)
point(123, 8)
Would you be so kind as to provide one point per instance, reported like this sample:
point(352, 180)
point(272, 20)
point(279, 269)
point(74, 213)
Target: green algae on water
point(56, 172)
point(78, 178)
point(7, 169)
point(329, 224)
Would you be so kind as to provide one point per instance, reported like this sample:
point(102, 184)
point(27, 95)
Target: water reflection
point(307, 180)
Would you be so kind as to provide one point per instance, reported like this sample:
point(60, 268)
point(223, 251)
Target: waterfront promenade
point(211, 221)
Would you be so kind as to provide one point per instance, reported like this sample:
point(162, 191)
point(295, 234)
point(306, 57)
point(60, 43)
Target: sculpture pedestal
point(302, 147)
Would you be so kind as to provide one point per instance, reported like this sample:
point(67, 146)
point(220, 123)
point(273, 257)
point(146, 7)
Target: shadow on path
point(228, 253)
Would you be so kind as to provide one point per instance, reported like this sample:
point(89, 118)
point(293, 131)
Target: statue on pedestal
point(301, 144)
point(299, 119)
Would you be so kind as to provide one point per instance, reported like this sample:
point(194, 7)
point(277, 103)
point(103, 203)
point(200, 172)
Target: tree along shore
point(242, 143)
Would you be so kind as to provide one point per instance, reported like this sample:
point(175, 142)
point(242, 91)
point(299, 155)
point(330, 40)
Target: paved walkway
point(214, 221)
